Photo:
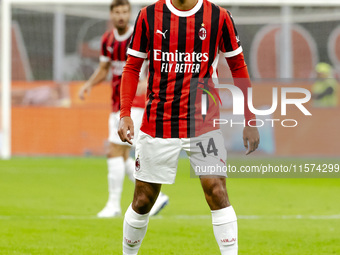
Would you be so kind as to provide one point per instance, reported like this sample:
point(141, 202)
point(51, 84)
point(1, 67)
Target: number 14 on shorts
point(210, 149)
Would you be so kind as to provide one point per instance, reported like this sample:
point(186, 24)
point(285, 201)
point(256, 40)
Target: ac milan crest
point(137, 164)
point(202, 33)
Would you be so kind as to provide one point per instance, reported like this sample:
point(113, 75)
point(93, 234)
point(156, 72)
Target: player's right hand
point(126, 129)
point(86, 89)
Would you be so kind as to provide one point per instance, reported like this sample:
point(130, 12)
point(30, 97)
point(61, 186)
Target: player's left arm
point(239, 70)
point(231, 47)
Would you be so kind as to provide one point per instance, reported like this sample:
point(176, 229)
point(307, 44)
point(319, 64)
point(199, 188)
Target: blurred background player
point(324, 90)
point(113, 53)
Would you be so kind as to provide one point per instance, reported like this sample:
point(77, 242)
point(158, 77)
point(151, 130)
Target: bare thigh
point(117, 150)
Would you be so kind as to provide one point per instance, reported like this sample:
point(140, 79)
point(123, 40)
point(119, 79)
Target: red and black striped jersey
point(183, 48)
point(113, 49)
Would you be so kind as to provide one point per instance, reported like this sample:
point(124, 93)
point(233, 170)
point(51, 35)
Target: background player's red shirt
point(183, 50)
point(113, 49)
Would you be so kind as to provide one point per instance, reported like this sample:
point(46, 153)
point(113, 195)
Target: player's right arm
point(97, 77)
point(130, 80)
point(137, 53)
point(102, 70)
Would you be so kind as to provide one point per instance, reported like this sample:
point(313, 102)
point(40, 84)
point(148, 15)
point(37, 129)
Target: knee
point(143, 203)
point(110, 154)
point(218, 192)
point(217, 196)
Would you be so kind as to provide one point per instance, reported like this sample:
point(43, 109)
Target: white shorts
point(137, 117)
point(157, 158)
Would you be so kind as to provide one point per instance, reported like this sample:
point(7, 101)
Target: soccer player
point(181, 39)
point(113, 54)
point(325, 88)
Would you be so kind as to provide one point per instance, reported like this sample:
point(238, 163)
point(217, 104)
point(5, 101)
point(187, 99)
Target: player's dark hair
point(116, 3)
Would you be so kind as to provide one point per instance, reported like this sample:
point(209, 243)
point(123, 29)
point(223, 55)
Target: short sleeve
point(104, 52)
point(230, 43)
point(139, 45)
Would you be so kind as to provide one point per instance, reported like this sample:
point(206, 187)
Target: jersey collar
point(123, 37)
point(179, 13)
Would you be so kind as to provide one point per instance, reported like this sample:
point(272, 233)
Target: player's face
point(120, 16)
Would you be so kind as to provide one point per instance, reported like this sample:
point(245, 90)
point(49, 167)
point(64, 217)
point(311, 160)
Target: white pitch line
point(258, 217)
point(177, 217)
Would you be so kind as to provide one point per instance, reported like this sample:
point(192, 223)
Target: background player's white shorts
point(136, 115)
point(157, 158)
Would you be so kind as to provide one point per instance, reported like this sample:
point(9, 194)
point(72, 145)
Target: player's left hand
point(251, 139)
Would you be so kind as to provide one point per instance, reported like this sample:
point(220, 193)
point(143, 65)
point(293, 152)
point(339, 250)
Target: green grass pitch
point(48, 206)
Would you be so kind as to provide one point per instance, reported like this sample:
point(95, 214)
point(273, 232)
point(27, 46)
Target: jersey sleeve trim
point(233, 53)
point(137, 54)
point(104, 59)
